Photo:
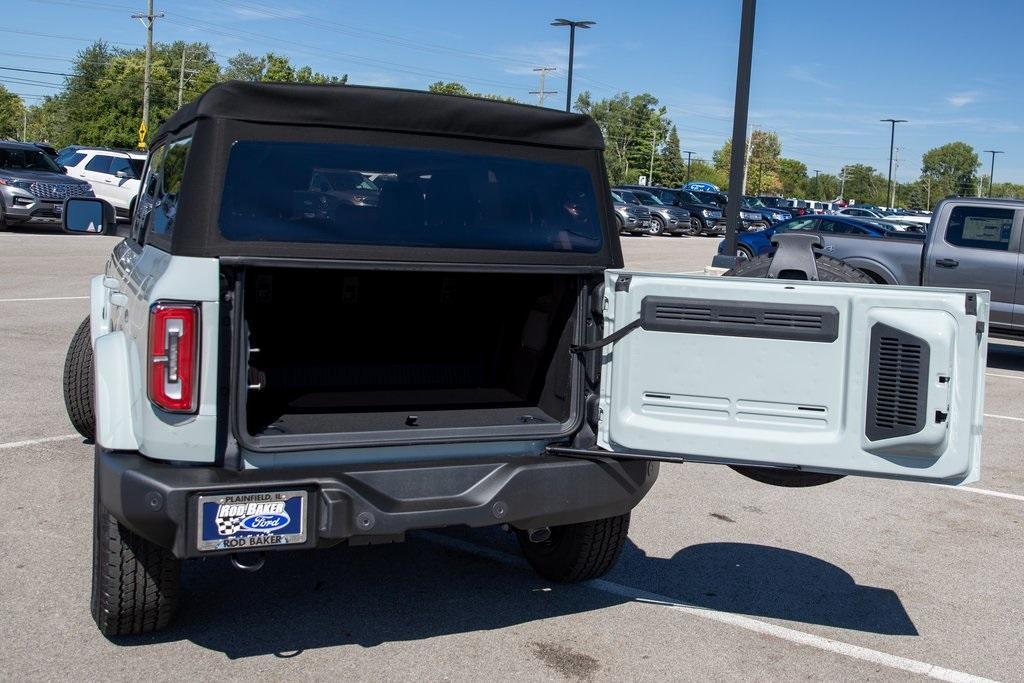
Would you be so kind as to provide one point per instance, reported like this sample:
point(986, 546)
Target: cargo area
point(358, 352)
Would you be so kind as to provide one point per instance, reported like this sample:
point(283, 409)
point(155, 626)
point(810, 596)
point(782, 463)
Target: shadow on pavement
point(1005, 356)
point(763, 581)
point(420, 589)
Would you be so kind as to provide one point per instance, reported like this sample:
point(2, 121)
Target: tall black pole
point(992, 168)
point(892, 142)
point(572, 48)
point(739, 135)
point(689, 155)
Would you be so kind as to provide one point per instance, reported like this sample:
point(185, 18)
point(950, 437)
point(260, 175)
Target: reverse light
point(174, 357)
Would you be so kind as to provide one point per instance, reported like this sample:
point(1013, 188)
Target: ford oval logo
point(266, 522)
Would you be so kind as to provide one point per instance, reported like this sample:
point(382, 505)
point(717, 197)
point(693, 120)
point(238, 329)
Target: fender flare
point(99, 324)
point(115, 402)
point(872, 268)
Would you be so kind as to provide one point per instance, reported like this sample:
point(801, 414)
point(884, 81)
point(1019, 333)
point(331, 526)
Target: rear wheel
point(134, 582)
point(78, 382)
point(577, 552)
point(829, 270)
point(657, 226)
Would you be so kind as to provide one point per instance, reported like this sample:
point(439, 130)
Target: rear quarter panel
point(892, 261)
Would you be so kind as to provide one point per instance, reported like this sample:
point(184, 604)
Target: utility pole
point(892, 142)
point(992, 169)
point(928, 198)
point(746, 159)
point(842, 183)
point(24, 129)
point(543, 70)
point(654, 144)
point(817, 185)
point(689, 155)
point(181, 76)
point(147, 20)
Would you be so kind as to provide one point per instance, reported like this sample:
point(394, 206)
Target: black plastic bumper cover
point(157, 500)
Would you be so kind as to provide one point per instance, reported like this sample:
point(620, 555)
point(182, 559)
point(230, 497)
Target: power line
point(34, 71)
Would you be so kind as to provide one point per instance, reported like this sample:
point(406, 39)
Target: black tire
point(134, 582)
point(657, 226)
point(743, 253)
point(829, 270)
point(78, 382)
point(3, 218)
point(695, 229)
point(577, 552)
point(618, 224)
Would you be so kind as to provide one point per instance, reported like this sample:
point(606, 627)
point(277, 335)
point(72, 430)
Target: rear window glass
point(355, 194)
point(980, 227)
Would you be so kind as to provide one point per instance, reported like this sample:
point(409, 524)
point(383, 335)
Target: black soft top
point(387, 109)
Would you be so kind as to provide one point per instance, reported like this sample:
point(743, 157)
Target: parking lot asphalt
point(723, 578)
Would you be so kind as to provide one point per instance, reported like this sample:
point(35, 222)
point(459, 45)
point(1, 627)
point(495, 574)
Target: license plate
point(249, 521)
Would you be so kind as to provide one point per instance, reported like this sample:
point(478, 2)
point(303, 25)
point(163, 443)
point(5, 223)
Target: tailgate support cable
point(610, 339)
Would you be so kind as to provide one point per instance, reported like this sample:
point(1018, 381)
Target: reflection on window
point(980, 227)
point(354, 194)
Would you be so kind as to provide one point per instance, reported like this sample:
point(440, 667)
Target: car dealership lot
point(724, 578)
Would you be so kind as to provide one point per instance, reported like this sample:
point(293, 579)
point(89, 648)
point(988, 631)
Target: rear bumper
point(158, 500)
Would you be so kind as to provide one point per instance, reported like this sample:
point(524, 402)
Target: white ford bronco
point(345, 313)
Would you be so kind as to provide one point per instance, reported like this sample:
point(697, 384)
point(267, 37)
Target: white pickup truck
point(270, 367)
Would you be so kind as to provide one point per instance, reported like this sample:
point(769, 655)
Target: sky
point(824, 71)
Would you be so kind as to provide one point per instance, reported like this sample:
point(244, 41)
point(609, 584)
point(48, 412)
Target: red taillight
point(174, 357)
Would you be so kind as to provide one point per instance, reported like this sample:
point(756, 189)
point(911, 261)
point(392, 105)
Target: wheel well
point(878, 279)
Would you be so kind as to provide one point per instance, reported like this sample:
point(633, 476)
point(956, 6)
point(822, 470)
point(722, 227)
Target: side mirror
point(122, 175)
point(88, 215)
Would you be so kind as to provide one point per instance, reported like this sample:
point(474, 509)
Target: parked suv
point(665, 218)
point(114, 174)
point(705, 219)
point(33, 187)
point(630, 215)
point(259, 380)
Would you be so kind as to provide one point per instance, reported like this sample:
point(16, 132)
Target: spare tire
point(829, 270)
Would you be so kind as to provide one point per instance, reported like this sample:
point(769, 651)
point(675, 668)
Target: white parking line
point(996, 374)
point(32, 442)
point(765, 628)
point(986, 492)
point(1005, 417)
point(43, 298)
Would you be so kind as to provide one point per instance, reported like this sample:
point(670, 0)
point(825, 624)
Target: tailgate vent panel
point(897, 384)
point(740, 319)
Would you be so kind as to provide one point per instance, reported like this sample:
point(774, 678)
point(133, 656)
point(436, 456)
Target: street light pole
point(689, 155)
point(817, 185)
point(573, 25)
point(737, 169)
point(892, 142)
point(992, 169)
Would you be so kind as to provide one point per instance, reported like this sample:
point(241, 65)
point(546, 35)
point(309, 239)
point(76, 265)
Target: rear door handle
point(947, 263)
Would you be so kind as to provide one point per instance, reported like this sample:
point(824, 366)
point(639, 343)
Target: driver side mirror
point(88, 215)
point(123, 174)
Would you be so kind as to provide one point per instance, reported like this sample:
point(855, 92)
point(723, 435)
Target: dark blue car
point(751, 244)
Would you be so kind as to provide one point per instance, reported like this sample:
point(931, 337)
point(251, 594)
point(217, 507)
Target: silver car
point(665, 218)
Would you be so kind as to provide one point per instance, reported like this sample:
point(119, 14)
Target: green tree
point(669, 167)
point(632, 126)
point(456, 88)
point(865, 185)
point(11, 111)
point(762, 161)
point(245, 67)
point(792, 176)
point(951, 168)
